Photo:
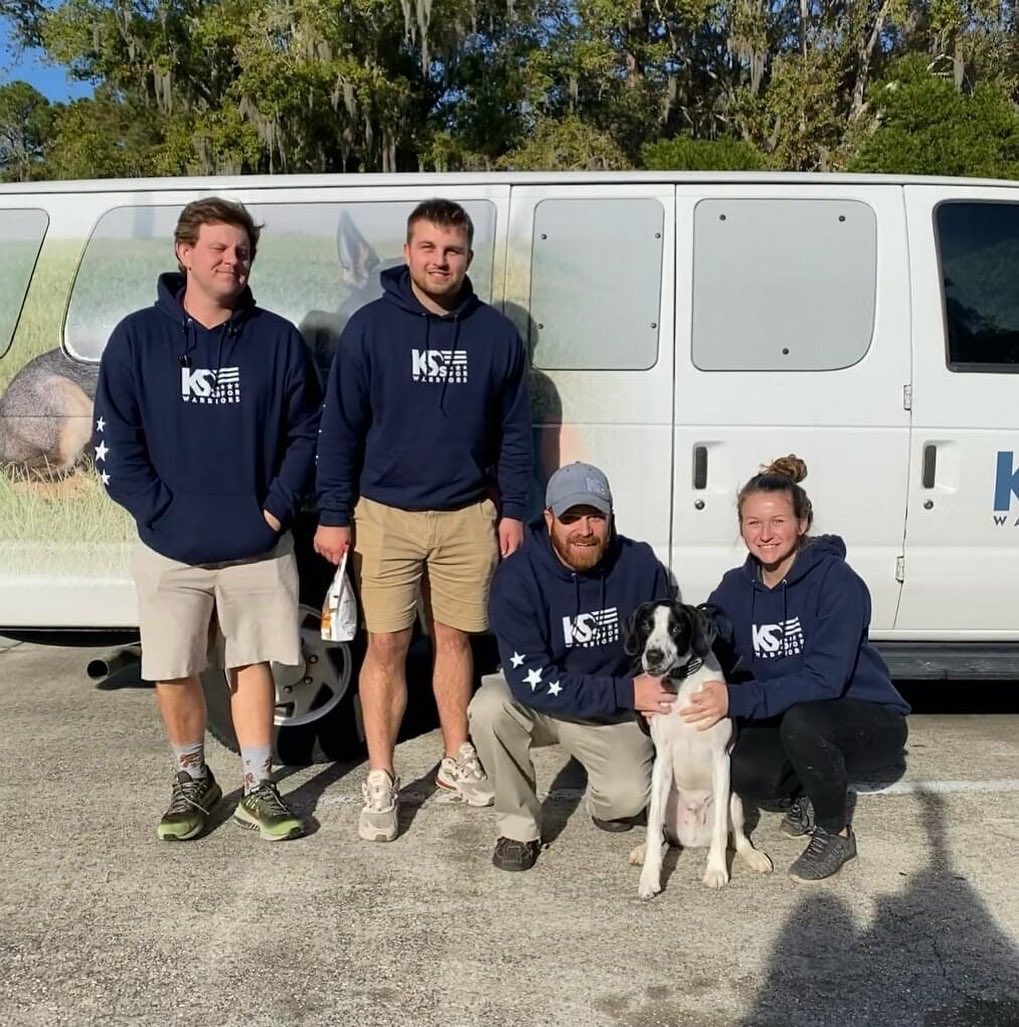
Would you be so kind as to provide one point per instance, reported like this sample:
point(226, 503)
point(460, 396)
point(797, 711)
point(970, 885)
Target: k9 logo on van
point(204, 385)
point(438, 365)
point(590, 629)
point(1006, 485)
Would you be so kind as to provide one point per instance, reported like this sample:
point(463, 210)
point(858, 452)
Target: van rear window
point(22, 232)
point(978, 253)
point(783, 284)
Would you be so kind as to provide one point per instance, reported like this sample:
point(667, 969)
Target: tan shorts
point(393, 547)
point(217, 614)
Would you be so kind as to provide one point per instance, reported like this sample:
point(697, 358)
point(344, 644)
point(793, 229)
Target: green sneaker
point(190, 806)
point(263, 810)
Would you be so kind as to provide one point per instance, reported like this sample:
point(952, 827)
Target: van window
point(596, 283)
point(783, 285)
point(316, 264)
point(22, 232)
point(978, 252)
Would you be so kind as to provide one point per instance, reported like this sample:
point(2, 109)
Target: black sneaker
point(190, 804)
point(513, 855)
point(823, 857)
point(799, 818)
point(623, 824)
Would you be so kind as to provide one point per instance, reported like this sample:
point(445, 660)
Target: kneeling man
point(557, 608)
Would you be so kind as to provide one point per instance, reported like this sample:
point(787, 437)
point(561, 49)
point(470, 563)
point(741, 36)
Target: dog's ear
point(703, 633)
point(723, 641)
point(633, 635)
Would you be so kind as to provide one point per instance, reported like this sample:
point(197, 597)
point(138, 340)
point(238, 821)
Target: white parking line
point(1006, 784)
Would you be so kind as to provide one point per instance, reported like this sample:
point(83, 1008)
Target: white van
point(684, 329)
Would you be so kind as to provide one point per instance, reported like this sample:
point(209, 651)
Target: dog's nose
point(654, 655)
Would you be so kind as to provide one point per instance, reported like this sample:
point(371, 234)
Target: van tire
point(324, 723)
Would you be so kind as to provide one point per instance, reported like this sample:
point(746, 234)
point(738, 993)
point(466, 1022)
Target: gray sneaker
point(190, 805)
point(823, 857)
point(463, 775)
point(378, 820)
point(799, 818)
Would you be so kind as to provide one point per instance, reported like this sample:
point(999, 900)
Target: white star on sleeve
point(554, 688)
point(100, 424)
point(516, 659)
point(533, 678)
point(101, 451)
point(104, 478)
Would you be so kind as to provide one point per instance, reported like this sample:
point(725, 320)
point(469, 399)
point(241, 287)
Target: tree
point(926, 126)
point(686, 154)
point(26, 118)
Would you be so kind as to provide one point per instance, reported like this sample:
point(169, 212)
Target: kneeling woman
point(816, 703)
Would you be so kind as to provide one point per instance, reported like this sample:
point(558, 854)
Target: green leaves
point(208, 86)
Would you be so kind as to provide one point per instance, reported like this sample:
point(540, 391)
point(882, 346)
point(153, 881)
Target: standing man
point(206, 418)
point(558, 610)
point(426, 419)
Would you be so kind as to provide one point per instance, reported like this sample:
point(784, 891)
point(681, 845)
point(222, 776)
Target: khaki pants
point(617, 757)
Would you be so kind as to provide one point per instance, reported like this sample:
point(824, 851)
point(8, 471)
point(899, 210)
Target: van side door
point(962, 529)
point(792, 336)
point(589, 285)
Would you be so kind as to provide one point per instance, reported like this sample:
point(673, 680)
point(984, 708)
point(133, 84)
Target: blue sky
point(28, 66)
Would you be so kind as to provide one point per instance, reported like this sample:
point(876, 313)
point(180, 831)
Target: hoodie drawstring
point(452, 362)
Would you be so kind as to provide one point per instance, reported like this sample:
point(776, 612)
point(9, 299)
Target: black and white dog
point(691, 805)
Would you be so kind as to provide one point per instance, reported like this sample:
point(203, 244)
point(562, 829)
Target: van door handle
point(930, 465)
point(700, 467)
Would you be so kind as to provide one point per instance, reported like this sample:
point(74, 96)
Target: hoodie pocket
point(212, 529)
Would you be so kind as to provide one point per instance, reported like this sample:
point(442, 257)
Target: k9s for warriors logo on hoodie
point(599, 627)
point(205, 385)
point(439, 365)
point(774, 640)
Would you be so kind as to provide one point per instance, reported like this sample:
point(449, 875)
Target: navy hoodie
point(806, 638)
point(198, 429)
point(422, 412)
point(560, 631)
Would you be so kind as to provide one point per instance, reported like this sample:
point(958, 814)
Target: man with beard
point(557, 608)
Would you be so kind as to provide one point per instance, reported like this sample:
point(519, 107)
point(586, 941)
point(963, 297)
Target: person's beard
point(580, 552)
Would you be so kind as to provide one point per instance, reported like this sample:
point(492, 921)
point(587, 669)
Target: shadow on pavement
point(933, 956)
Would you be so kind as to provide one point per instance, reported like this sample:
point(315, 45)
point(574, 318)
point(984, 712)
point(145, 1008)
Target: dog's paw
point(715, 877)
point(649, 886)
point(636, 857)
point(757, 860)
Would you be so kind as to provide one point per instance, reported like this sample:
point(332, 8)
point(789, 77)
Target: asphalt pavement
point(100, 923)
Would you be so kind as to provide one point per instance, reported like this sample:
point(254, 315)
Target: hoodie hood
point(397, 289)
point(170, 298)
point(814, 552)
point(538, 538)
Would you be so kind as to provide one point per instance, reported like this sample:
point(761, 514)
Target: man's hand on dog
point(332, 542)
point(649, 697)
point(708, 705)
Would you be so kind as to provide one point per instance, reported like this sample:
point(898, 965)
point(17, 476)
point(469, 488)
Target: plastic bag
point(339, 611)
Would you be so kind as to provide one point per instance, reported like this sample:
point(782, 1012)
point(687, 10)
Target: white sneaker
point(464, 775)
point(377, 822)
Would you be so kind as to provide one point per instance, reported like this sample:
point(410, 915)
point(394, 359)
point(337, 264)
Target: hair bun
point(790, 466)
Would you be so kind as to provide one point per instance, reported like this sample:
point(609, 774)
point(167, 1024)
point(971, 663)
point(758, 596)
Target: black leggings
point(812, 748)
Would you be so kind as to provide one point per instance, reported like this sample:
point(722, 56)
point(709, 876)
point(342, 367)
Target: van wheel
point(318, 716)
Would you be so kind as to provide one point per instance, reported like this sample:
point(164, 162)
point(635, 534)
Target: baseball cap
point(578, 484)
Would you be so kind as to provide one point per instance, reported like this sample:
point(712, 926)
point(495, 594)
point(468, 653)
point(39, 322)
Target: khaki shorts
point(393, 547)
point(217, 614)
